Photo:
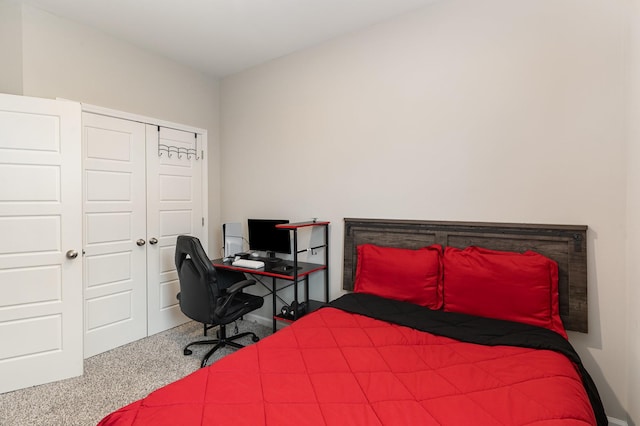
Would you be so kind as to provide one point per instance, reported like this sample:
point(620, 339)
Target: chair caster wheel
point(188, 352)
point(255, 338)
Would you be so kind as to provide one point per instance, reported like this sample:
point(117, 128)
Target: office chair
point(204, 298)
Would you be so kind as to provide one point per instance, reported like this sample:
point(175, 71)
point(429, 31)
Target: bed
point(452, 343)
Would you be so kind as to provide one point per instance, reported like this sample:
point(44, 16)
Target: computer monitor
point(264, 236)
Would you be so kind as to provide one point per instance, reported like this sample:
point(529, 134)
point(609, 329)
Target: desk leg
point(306, 290)
point(273, 302)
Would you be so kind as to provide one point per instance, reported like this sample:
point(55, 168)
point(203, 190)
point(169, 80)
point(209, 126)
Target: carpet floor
point(114, 378)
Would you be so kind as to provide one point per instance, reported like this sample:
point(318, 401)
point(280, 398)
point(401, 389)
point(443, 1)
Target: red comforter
point(334, 367)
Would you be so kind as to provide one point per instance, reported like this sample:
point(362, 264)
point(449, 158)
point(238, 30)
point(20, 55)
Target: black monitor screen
point(264, 236)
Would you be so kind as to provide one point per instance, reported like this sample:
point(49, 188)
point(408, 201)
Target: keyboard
point(249, 264)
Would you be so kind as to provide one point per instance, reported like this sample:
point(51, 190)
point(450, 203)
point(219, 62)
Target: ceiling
point(222, 37)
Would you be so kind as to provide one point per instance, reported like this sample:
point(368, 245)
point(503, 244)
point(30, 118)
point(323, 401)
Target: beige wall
point(10, 48)
point(633, 213)
point(481, 111)
point(68, 60)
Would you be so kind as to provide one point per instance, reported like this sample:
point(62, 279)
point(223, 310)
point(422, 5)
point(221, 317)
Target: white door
point(41, 241)
point(174, 207)
point(115, 285)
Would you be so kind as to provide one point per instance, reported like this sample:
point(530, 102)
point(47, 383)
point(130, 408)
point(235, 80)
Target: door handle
point(141, 242)
point(153, 241)
point(72, 254)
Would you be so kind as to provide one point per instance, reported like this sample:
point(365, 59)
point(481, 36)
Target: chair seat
point(243, 304)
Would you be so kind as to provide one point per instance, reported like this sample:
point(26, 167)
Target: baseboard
point(267, 322)
point(616, 422)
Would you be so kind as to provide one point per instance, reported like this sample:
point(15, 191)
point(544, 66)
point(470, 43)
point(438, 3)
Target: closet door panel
point(174, 207)
point(40, 214)
point(115, 293)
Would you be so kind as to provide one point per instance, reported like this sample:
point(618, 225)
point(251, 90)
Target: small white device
point(232, 235)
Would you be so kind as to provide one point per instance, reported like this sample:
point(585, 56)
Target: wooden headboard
point(566, 244)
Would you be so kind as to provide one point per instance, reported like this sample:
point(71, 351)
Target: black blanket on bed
point(470, 329)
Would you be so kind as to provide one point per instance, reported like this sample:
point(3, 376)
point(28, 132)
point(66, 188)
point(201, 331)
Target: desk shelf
point(311, 305)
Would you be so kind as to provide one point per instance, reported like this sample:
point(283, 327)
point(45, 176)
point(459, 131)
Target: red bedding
point(334, 367)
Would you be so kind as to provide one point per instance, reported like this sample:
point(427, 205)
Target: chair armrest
point(231, 293)
point(239, 286)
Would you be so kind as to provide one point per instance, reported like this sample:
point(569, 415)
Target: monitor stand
point(271, 258)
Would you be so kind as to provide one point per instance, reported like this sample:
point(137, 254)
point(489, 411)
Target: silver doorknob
point(72, 254)
point(141, 242)
point(153, 241)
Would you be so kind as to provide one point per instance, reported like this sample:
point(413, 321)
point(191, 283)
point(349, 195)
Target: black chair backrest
point(198, 280)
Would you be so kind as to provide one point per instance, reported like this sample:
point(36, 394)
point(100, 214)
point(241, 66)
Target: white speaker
point(232, 235)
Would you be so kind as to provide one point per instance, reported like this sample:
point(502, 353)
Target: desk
point(277, 272)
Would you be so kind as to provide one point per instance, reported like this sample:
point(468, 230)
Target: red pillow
point(511, 286)
point(402, 274)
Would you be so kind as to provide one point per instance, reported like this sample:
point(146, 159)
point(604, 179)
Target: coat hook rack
point(179, 151)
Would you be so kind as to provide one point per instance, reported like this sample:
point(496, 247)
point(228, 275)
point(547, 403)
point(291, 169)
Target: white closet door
point(40, 216)
point(174, 207)
point(115, 293)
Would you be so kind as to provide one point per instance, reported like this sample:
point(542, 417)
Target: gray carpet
point(114, 378)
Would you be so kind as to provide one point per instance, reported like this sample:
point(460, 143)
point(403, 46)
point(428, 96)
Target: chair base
point(221, 342)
